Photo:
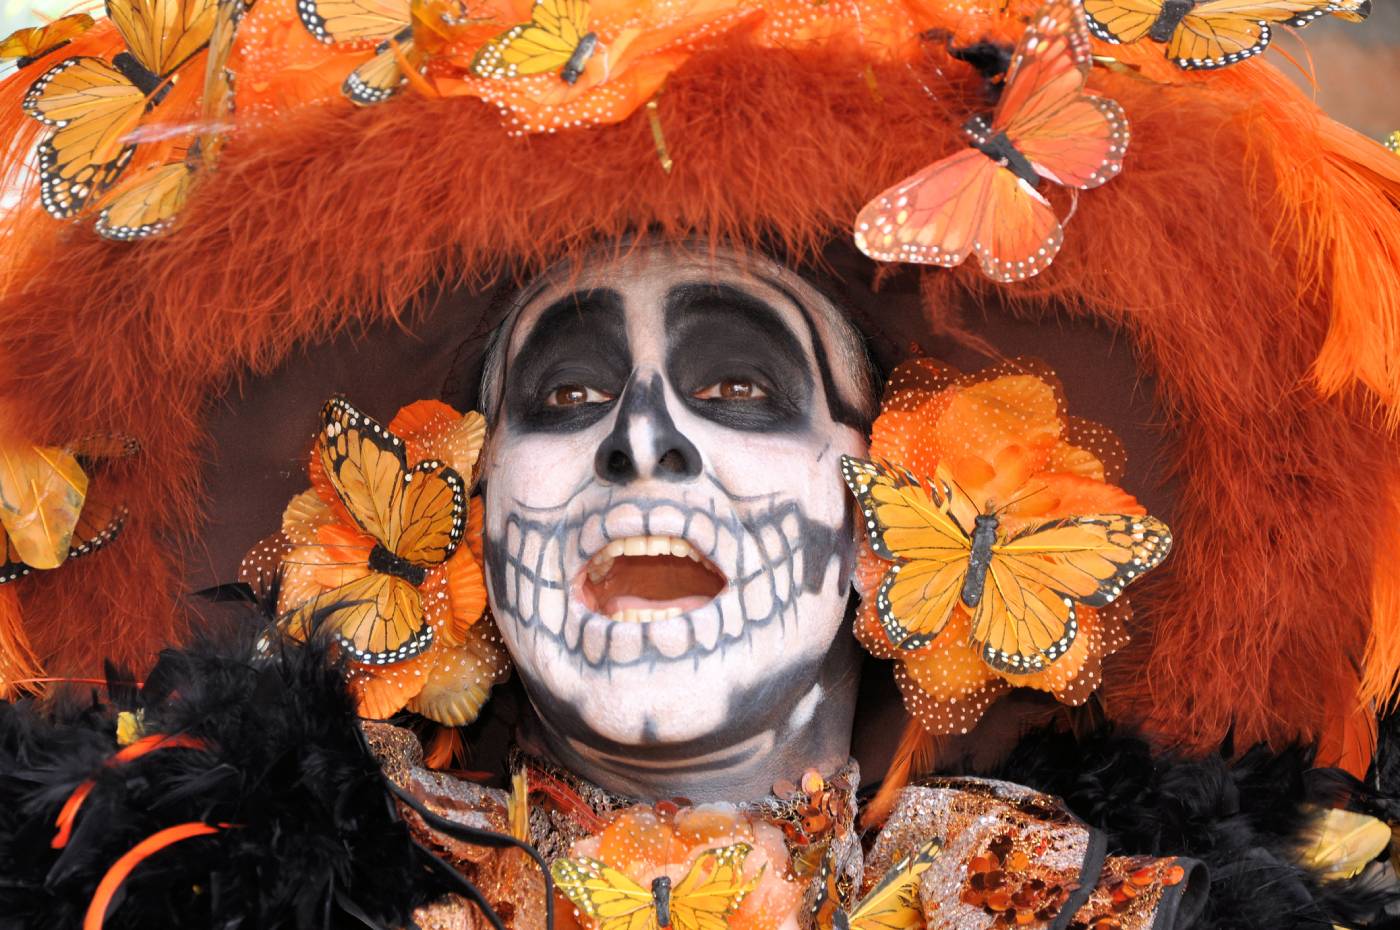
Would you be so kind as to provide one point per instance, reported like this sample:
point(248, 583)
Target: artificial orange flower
point(321, 547)
point(1004, 436)
point(646, 842)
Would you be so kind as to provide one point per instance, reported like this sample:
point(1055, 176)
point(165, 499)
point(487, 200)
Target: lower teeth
point(645, 614)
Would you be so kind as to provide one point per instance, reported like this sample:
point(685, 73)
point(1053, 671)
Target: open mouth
point(642, 579)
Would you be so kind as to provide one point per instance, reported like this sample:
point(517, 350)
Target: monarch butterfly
point(1210, 33)
point(404, 31)
point(891, 905)
point(28, 45)
point(93, 104)
point(555, 39)
point(416, 517)
point(702, 900)
point(47, 515)
point(983, 199)
point(148, 205)
point(1020, 587)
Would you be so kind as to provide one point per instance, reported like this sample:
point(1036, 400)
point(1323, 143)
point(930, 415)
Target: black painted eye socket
point(575, 395)
point(740, 389)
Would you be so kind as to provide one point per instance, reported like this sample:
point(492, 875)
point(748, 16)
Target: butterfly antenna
point(1016, 500)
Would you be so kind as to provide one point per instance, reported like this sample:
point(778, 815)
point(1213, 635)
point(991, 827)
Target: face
point(668, 540)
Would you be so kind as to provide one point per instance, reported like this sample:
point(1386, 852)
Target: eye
point(731, 389)
point(573, 395)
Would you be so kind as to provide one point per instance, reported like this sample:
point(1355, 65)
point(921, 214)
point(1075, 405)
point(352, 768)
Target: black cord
point(481, 838)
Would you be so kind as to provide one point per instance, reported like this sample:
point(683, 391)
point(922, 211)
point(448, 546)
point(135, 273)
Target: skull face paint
point(668, 542)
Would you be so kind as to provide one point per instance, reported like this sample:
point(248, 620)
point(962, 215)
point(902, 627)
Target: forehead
point(645, 277)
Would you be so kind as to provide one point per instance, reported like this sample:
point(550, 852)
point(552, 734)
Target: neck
point(816, 735)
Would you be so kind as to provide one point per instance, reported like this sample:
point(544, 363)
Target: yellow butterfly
point(1210, 33)
point(711, 891)
point(893, 904)
point(93, 104)
point(1021, 588)
point(149, 204)
point(47, 515)
point(555, 39)
point(404, 30)
point(1392, 142)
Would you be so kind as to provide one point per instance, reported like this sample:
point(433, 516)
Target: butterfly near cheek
point(555, 39)
point(1022, 587)
point(713, 888)
point(985, 199)
point(93, 105)
point(415, 517)
point(893, 904)
point(1208, 34)
point(25, 46)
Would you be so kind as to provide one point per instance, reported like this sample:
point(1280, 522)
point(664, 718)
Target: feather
point(915, 754)
point(18, 663)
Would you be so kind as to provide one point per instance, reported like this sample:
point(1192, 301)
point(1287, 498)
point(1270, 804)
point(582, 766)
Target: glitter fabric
point(1011, 857)
point(1139, 892)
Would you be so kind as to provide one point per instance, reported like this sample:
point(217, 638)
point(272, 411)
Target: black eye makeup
point(572, 365)
point(733, 360)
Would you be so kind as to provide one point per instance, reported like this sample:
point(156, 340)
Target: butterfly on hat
point(149, 204)
point(49, 511)
point(1021, 587)
point(984, 199)
point(409, 31)
point(1208, 34)
point(93, 105)
point(28, 45)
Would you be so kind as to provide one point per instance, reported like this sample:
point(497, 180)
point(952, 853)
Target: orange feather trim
point(112, 880)
point(18, 663)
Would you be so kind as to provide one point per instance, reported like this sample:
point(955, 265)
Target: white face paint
point(669, 543)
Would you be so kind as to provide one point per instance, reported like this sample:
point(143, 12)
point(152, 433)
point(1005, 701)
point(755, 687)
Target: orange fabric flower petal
point(1002, 435)
point(460, 678)
point(466, 592)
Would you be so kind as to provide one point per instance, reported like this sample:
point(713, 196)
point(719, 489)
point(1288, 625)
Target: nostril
point(620, 464)
point(672, 463)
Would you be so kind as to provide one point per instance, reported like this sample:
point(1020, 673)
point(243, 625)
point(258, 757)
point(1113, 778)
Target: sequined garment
point(1011, 857)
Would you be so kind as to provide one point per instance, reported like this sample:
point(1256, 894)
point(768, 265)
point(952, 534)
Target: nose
point(644, 442)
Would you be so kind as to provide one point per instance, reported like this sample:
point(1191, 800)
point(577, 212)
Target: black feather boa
point(1243, 818)
point(312, 839)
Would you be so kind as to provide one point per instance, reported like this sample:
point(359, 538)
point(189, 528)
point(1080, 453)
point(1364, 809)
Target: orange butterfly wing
point(1073, 138)
point(1026, 618)
point(974, 201)
point(38, 41)
point(962, 205)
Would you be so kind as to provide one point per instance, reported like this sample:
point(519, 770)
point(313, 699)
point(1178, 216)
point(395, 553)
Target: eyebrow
point(590, 323)
point(743, 316)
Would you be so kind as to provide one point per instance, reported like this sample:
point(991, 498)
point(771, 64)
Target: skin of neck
point(817, 735)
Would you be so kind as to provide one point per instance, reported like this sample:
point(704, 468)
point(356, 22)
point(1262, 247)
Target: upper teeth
point(601, 564)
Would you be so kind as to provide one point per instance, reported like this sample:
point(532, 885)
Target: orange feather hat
point(1247, 253)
